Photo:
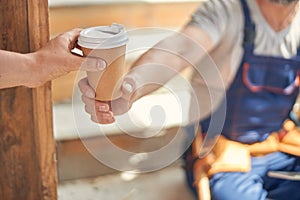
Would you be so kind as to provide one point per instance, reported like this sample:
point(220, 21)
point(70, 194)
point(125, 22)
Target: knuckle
point(80, 85)
point(94, 119)
point(86, 109)
point(83, 99)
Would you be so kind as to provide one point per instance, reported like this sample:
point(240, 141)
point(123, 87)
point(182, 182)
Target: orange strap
point(231, 156)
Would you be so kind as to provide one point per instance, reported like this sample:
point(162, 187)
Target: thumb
point(129, 86)
point(92, 64)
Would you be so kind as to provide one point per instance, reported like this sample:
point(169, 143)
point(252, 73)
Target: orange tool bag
point(231, 156)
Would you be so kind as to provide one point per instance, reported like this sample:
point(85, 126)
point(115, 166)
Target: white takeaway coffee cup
point(108, 43)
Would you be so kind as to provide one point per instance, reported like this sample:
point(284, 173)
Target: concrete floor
point(166, 184)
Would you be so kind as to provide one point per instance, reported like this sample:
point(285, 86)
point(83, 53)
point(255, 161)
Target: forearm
point(14, 69)
point(153, 69)
point(51, 61)
point(168, 58)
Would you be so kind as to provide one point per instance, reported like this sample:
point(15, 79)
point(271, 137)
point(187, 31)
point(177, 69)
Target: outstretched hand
point(56, 59)
point(104, 112)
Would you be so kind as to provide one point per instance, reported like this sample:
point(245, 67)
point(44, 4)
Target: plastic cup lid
point(103, 37)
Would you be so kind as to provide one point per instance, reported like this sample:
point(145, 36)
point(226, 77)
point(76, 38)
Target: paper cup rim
point(119, 37)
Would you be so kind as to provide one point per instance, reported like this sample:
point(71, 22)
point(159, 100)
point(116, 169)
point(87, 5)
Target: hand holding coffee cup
point(109, 44)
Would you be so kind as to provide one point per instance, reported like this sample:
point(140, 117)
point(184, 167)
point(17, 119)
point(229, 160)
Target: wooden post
point(27, 146)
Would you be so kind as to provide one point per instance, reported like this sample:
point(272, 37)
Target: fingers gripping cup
point(109, 44)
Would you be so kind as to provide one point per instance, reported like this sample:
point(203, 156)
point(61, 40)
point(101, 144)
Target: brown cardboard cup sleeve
point(109, 44)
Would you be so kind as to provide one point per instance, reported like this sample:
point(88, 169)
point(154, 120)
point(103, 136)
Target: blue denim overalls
point(259, 99)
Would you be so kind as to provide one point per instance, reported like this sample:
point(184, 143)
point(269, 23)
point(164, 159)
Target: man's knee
point(236, 186)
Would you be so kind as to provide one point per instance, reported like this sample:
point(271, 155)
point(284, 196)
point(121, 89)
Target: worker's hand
point(55, 59)
point(137, 83)
point(104, 112)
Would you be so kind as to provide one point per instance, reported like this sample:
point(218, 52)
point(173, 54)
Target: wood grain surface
point(27, 146)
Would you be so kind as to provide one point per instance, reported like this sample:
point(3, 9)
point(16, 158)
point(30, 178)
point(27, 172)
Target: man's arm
point(151, 71)
point(50, 62)
point(166, 59)
point(14, 69)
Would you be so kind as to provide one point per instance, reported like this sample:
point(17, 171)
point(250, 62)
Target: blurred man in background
point(255, 46)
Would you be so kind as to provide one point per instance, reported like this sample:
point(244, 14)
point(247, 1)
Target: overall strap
point(298, 50)
point(249, 28)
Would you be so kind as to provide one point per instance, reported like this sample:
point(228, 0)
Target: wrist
point(31, 75)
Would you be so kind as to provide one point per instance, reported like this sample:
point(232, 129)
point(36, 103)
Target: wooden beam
point(27, 145)
point(75, 161)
